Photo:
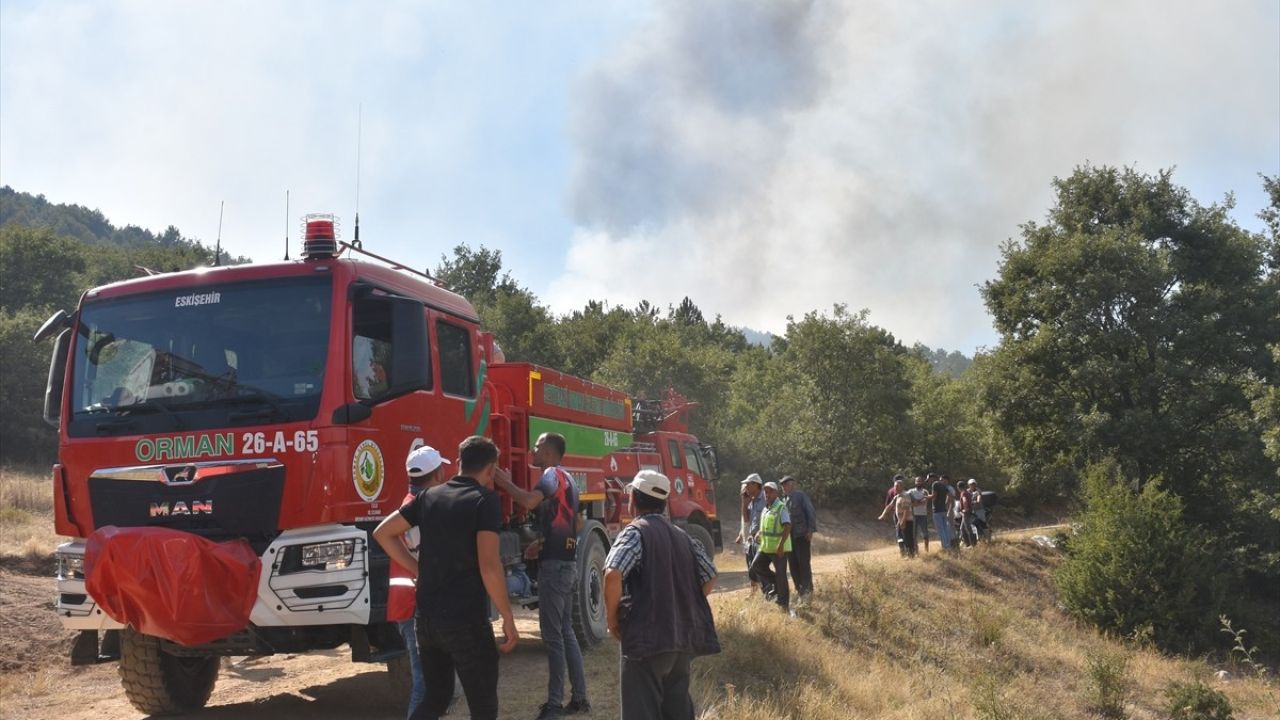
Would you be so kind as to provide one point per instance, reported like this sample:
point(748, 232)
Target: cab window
point(693, 458)
point(673, 451)
point(455, 359)
point(370, 348)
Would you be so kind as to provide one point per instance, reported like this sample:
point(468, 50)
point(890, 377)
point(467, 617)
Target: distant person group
point(778, 524)
point(959, 515)
point(443, 543)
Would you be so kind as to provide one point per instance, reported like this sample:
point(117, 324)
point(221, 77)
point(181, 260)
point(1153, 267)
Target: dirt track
point(315, 686)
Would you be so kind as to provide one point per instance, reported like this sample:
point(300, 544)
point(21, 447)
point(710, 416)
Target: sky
point(766, 159)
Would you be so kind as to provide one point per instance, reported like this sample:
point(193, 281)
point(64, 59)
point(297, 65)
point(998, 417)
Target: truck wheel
point(158, 683)
point(702, 536)
point(588, 593)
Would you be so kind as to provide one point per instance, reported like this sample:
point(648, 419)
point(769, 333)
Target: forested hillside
point(49, 254)
point(1137, 379)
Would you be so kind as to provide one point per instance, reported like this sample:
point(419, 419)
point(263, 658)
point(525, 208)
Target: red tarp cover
point(172, 584)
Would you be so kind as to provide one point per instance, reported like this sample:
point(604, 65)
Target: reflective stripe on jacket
point(771, 529)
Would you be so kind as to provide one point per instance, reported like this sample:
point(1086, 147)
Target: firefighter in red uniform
point(423, 468)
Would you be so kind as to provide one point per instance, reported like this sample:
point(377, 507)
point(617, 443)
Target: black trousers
point(907, 538)
point(800, 562)
point(656, 687)
point(772, 571)
point(468, 650)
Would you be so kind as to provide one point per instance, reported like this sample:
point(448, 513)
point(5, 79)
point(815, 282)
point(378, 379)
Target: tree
point(474, 274)
point(1127, 321)
point(1132, 322)
point(38, 269)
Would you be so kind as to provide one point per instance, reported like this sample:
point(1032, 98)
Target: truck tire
point(588, 593)
point(158, 683)
point(702, 536)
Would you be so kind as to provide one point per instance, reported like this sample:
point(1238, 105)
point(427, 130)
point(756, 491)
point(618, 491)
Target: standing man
point(775, 542)
point(920, 509)
point(941, 497)
point(457, 566)
point(890, 508)
point(556, 499)
point(752, 506)
point(423, 469)
point(804, 523)
point(656, 582)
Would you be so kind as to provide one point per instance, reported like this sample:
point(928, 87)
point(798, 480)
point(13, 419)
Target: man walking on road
point(556, 498)
point(804, 523)
point(775, 542)
point(458, 564)
point(662, 579)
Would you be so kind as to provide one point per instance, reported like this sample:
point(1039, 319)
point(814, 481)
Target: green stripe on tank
point(580, 439)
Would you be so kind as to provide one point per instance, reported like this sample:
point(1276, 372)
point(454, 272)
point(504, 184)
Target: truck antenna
point(359, 128)
point(286, 224)
point(217, 249)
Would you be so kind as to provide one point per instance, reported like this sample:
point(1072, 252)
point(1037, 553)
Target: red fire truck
point(229, 437)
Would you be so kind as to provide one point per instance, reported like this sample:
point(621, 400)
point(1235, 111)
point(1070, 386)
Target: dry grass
point(26, 514)
point(952, 637)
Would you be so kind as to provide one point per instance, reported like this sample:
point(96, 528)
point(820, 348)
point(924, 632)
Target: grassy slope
point(973, 636)
point(940, 638)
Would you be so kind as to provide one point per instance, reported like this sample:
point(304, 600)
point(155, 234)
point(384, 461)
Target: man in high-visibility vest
point(770, 564)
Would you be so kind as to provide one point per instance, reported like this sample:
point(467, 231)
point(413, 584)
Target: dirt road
point(315, 686)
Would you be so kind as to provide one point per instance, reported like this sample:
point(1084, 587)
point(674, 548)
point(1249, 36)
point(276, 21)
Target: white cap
point(423, 461)
point(972, 481)
point(771, 485)
point(753, 478)
point(651, 483)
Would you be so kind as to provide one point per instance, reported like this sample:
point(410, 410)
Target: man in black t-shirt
point(457, 565)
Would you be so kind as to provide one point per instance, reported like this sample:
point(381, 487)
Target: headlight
point(70, 566)
point(334, 555)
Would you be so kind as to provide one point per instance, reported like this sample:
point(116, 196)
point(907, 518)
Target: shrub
point(1136, 565)
point(1109, 684)
point(1196, 701)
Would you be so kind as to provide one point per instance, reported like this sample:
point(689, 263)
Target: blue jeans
point(409, 632)
point(555, 620)
point(944, 529)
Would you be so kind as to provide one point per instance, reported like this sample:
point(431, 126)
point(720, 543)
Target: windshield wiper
point(151, 406)
point(270, 408)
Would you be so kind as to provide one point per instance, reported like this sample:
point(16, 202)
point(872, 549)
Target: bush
point(1135, 566)
point(1109, 684)
point(1196, 701)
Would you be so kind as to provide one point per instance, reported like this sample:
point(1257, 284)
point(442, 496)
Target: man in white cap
point(775, 542)
point(423, 468)
point(752, 505)
point(656, 581)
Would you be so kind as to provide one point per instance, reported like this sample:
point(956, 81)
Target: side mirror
point(58, 321)
point(410, 351)
point(57, 376)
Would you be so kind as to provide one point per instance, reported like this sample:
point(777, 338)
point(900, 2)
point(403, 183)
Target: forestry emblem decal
point(368, 470)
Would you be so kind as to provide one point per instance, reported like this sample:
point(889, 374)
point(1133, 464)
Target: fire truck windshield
point(201, 357)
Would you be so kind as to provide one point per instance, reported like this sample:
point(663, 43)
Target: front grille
point(244, 502)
